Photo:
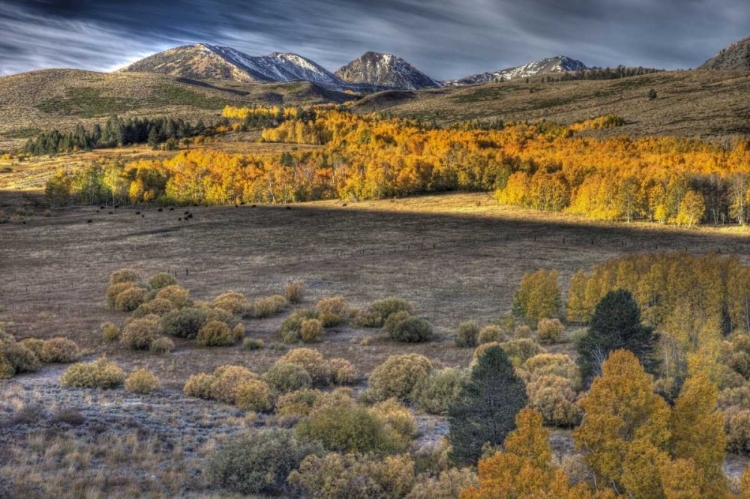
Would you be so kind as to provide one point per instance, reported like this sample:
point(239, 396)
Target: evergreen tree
point(616, 324)
point(486, 409)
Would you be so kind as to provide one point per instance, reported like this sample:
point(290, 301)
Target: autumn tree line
point(542, 166)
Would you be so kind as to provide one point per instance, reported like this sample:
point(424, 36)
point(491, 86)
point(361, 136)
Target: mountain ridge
point(735, 57)
point(557, 64)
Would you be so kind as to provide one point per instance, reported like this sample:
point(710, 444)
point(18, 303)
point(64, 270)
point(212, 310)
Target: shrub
point(216, 333)
point(269, 306)
point(521, 350)
point(232, 302)
point(390, 306)
point(342, 371)
point(547, 364)
point(284, 378)
point(734, 397)
point(162, 280)
point(294, 292)
point(178, 295)
point(142, 381)
point(299, 403)
point(394, 319)
point(279, 347)
point(311, 330)
point(252, 344)
point(115, 289)
point(290, 328)
point(130, 299)
point(19, 358)
point(522, 332)
point(399, 375)
point(258, 463)
point(110, 332)
point(490, 334)
point(227, 380)
point(435, 393)
point(96, 374)
point(550, 331)
point(35, 345)
point(310, 360)
point(60, 350)
point(737, 428)
point(346, 427)
point(349, 476)
point(448, 485)
point(162, 345)
point(158, 306)
point(124, 276)
point(368, 317)
point(468, 334)
point(199, 386)
point(332, 310)
point(238, 332)
point(398, 418)
point(412, 330)
point(139, 334)
point(184, 323)
point(554, 397)
point(254, 395)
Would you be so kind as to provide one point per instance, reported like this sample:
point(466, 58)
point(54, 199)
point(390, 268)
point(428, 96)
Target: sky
point(443, 38)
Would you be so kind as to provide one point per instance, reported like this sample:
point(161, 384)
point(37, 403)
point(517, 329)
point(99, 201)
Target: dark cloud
point(444, 38)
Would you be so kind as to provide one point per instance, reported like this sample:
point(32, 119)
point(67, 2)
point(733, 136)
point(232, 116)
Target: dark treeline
point(117, 132)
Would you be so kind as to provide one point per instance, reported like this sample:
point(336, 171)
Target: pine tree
point(486, 410)
point(615, 324)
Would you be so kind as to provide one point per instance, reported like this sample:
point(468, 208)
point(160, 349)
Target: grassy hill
point(704, 104)
point(60, 98)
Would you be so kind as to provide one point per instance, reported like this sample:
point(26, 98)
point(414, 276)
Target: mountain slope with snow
point(385, 71)
point(203, 61)
point(559, 64)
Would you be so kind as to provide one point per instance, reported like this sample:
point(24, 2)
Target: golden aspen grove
point(541, 165)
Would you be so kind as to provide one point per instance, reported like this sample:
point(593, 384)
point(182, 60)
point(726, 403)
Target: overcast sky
point(443, 38)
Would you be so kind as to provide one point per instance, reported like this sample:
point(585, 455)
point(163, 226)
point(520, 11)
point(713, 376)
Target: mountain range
point(372, 72)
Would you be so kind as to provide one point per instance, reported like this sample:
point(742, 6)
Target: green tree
point(538, 296)
point(615, 324)
point(486, 409)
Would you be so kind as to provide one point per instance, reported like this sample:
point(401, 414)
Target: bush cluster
point(124, 276)
point(398, 377)
point(179, 296)
point(491, 334)
point(216, 334)
point(142, 381)
point(60, 350)
point(333, 311)
point(311, 361)
point(468, 335)
point(258, 463)
point(96, 374)
point(550, 331)
point(378, 312)
point(435, 393)
point(162, 280)
point(284, 378)
point(252, 344)
point(294, 292)
point(16, 358)
point(254, 395)
point(269, 306)
point(110, 332)
point(311, 330)
point(139, 334)
point(234, 385)
point(234, 303)
point(291, 328)
point(162, 345)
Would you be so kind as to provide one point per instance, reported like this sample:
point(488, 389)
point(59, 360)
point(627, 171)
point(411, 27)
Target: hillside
point(559, 64)
point(210, 62)
point(385, 70)
point(689, 103)
point(736, 57)
point(60, 98)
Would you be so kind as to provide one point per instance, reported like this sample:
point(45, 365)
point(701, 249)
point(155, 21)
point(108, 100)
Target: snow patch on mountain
point(560, 64)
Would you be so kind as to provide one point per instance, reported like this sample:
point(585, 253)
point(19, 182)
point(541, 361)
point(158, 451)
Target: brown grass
point(709, 104)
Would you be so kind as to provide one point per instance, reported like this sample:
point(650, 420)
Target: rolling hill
point(61, 98)
point(736, 57)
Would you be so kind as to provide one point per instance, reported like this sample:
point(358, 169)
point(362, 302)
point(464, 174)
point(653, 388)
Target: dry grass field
point(707, 104)
point(457, 257)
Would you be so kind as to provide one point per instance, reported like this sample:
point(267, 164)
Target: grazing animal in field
point(117, 206)
point(179, 219)
point(143, 216)
point(24, 222)
point(111, 212)
point(159, 210)
point(236, 206)
point(137, 212)
point(343, 204)
point(171, 209)
point(89, 221)
point(254, 206)
point(190, 215)
point(288, 207)
point(101, 207)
